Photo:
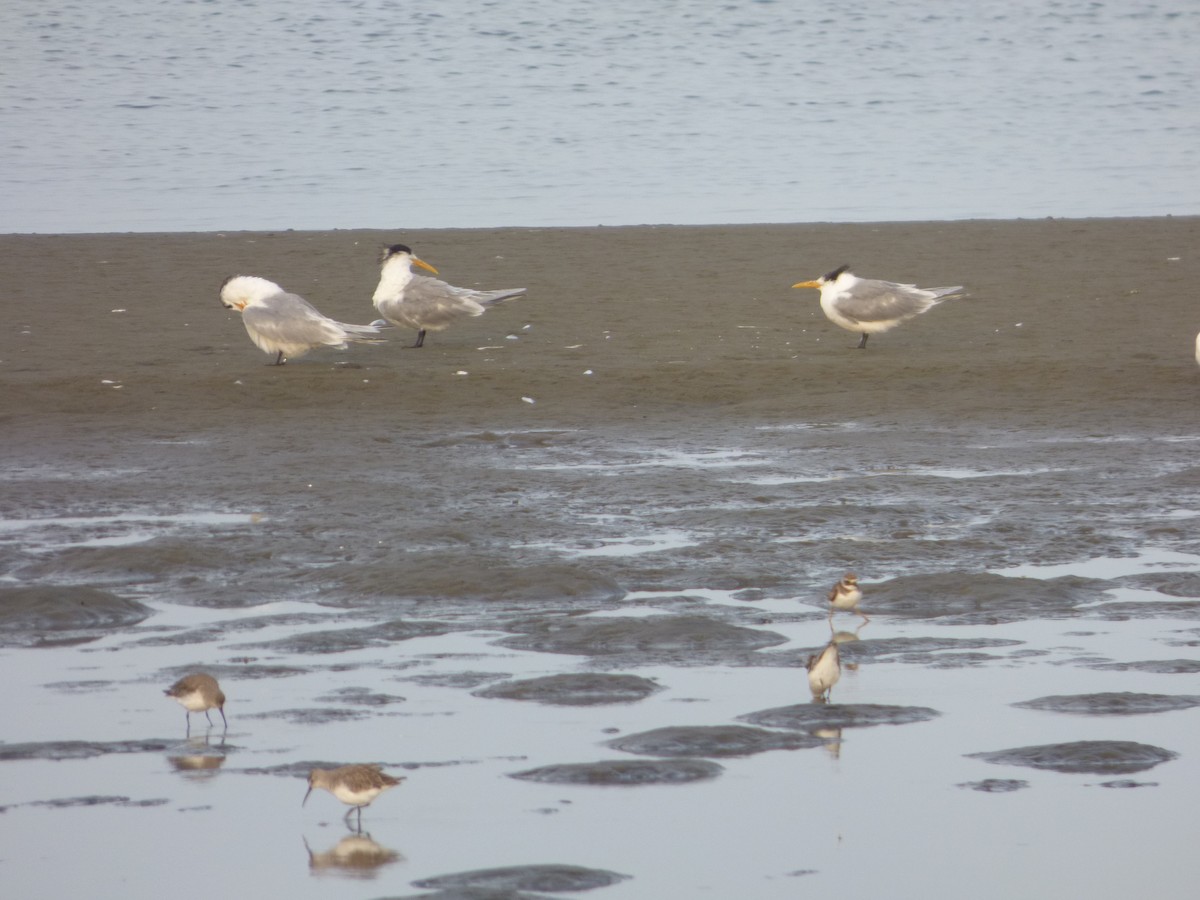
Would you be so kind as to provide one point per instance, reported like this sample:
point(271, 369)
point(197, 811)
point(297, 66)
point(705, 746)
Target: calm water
point(120, 115)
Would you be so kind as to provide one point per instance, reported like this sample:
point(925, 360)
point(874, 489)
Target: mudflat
point(1085, 323)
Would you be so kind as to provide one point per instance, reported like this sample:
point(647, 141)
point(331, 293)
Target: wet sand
point(563, 566)
point(1080, 323)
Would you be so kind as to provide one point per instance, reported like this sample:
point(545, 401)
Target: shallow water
point(329, 653)
point(528, 609)
point(123, 116)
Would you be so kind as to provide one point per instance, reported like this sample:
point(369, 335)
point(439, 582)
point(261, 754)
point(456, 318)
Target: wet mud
point(1120, 704)
point(578, 689)
point(624, 772)
point(602, 521)
point(1088, 757)
point(815, 717)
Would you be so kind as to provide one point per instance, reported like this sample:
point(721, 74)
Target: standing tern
point(287, 324)
point(867, 306)
point(422, 303)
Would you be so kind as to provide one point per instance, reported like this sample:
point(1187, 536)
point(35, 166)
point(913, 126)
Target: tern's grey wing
point(290, 319)
point(436, 304)
point(882, 301)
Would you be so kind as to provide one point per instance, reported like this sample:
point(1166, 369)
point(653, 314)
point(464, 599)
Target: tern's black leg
point(862, 343)
point(420, 339)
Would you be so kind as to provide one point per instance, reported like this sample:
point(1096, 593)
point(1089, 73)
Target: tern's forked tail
point(490, 298)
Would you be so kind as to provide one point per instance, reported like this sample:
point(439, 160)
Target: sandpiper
point(824, 670)
point(845, 596)
point(356, 786)
point(198, 693)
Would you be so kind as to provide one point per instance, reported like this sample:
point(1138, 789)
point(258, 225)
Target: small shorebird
point(824, 670)
point(198, 693)
point(422, 303)
point(356, 786)
point(287, 324)
point(866, 306)
point(845, 596)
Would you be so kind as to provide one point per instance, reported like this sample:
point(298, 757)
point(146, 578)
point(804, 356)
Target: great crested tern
point(422, 303)
point(867, 307)
point(287, 324)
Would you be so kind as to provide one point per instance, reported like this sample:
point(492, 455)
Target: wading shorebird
point(287, 324)
point(426, 304)
point(845, 595)
point(198, 693)
point(824, 670)
point(867, 307)
point(356, 786)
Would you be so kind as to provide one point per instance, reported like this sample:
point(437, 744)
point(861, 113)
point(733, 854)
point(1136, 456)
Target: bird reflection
point(198, 759)
point(355, 856)
point(832, 736)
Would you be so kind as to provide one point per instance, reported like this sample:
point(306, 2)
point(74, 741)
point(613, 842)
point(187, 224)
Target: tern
point(287, 324)
point(422, 303)
point(867, 306)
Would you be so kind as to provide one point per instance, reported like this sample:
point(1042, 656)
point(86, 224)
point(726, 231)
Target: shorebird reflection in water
point(867, 307)
point(356, 786)
point(287, 324)
point(845, 595)
point(426, 304)
point(824, 670)
point(198, 693)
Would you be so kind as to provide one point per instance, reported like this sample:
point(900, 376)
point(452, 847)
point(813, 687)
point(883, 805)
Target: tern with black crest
point(422, 303)
point(867, 307)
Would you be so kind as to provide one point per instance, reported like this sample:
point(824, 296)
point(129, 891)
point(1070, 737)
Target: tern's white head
point(840, 273)
point(397, 262)
point(239, 291)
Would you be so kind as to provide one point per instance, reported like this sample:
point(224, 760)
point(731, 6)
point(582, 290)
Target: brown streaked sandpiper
point(845, 596)
point(356, 785)
point(198, 693)
point(824, 670)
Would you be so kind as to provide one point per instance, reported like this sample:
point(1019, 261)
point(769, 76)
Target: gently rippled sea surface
point(561, 569)
point(118, 115)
